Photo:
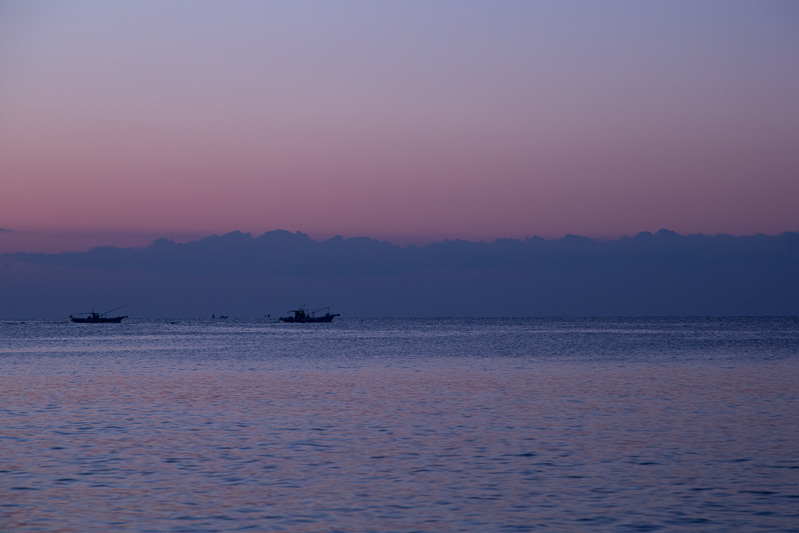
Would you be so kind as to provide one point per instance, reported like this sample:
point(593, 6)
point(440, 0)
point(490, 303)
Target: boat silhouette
point(302, 315)
point(98, 318)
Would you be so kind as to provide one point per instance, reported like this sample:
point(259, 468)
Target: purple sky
point(409, 121)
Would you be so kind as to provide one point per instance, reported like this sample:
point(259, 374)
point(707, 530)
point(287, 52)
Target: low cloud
point(649, 274)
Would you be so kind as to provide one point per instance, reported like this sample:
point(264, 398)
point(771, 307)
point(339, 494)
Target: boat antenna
point(114, 309)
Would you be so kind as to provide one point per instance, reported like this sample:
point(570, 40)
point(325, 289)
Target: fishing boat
point(98, 318)
point(302, 315)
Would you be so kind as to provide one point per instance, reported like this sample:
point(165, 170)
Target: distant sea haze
point(240, 275)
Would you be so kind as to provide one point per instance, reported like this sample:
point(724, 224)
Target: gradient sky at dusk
point(410, 121)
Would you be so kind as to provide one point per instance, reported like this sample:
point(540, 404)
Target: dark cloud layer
point(238, 274)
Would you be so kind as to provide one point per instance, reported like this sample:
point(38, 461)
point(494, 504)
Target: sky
point(406, 121)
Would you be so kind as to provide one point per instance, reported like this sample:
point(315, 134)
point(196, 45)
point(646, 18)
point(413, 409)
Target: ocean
point(540, 424)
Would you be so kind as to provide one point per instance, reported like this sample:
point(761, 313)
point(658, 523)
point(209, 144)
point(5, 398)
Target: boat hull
point(308, 319)
point(100, 320)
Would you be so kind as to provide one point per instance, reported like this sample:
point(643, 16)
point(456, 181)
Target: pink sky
point(404, 121)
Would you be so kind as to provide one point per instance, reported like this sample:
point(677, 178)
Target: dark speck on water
point(641, 424)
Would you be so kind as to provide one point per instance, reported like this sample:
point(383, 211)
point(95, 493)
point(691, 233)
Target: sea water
point(642, 424)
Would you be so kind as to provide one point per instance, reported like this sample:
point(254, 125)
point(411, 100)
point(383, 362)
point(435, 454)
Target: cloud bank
point(649, 274)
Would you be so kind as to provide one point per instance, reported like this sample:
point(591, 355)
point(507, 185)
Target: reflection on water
point(400, 426)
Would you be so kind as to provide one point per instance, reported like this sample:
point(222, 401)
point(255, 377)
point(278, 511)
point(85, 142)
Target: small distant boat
point(302, 315)
point(98, 318)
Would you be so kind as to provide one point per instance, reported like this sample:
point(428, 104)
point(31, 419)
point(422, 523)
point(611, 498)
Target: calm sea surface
point(688, 424)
